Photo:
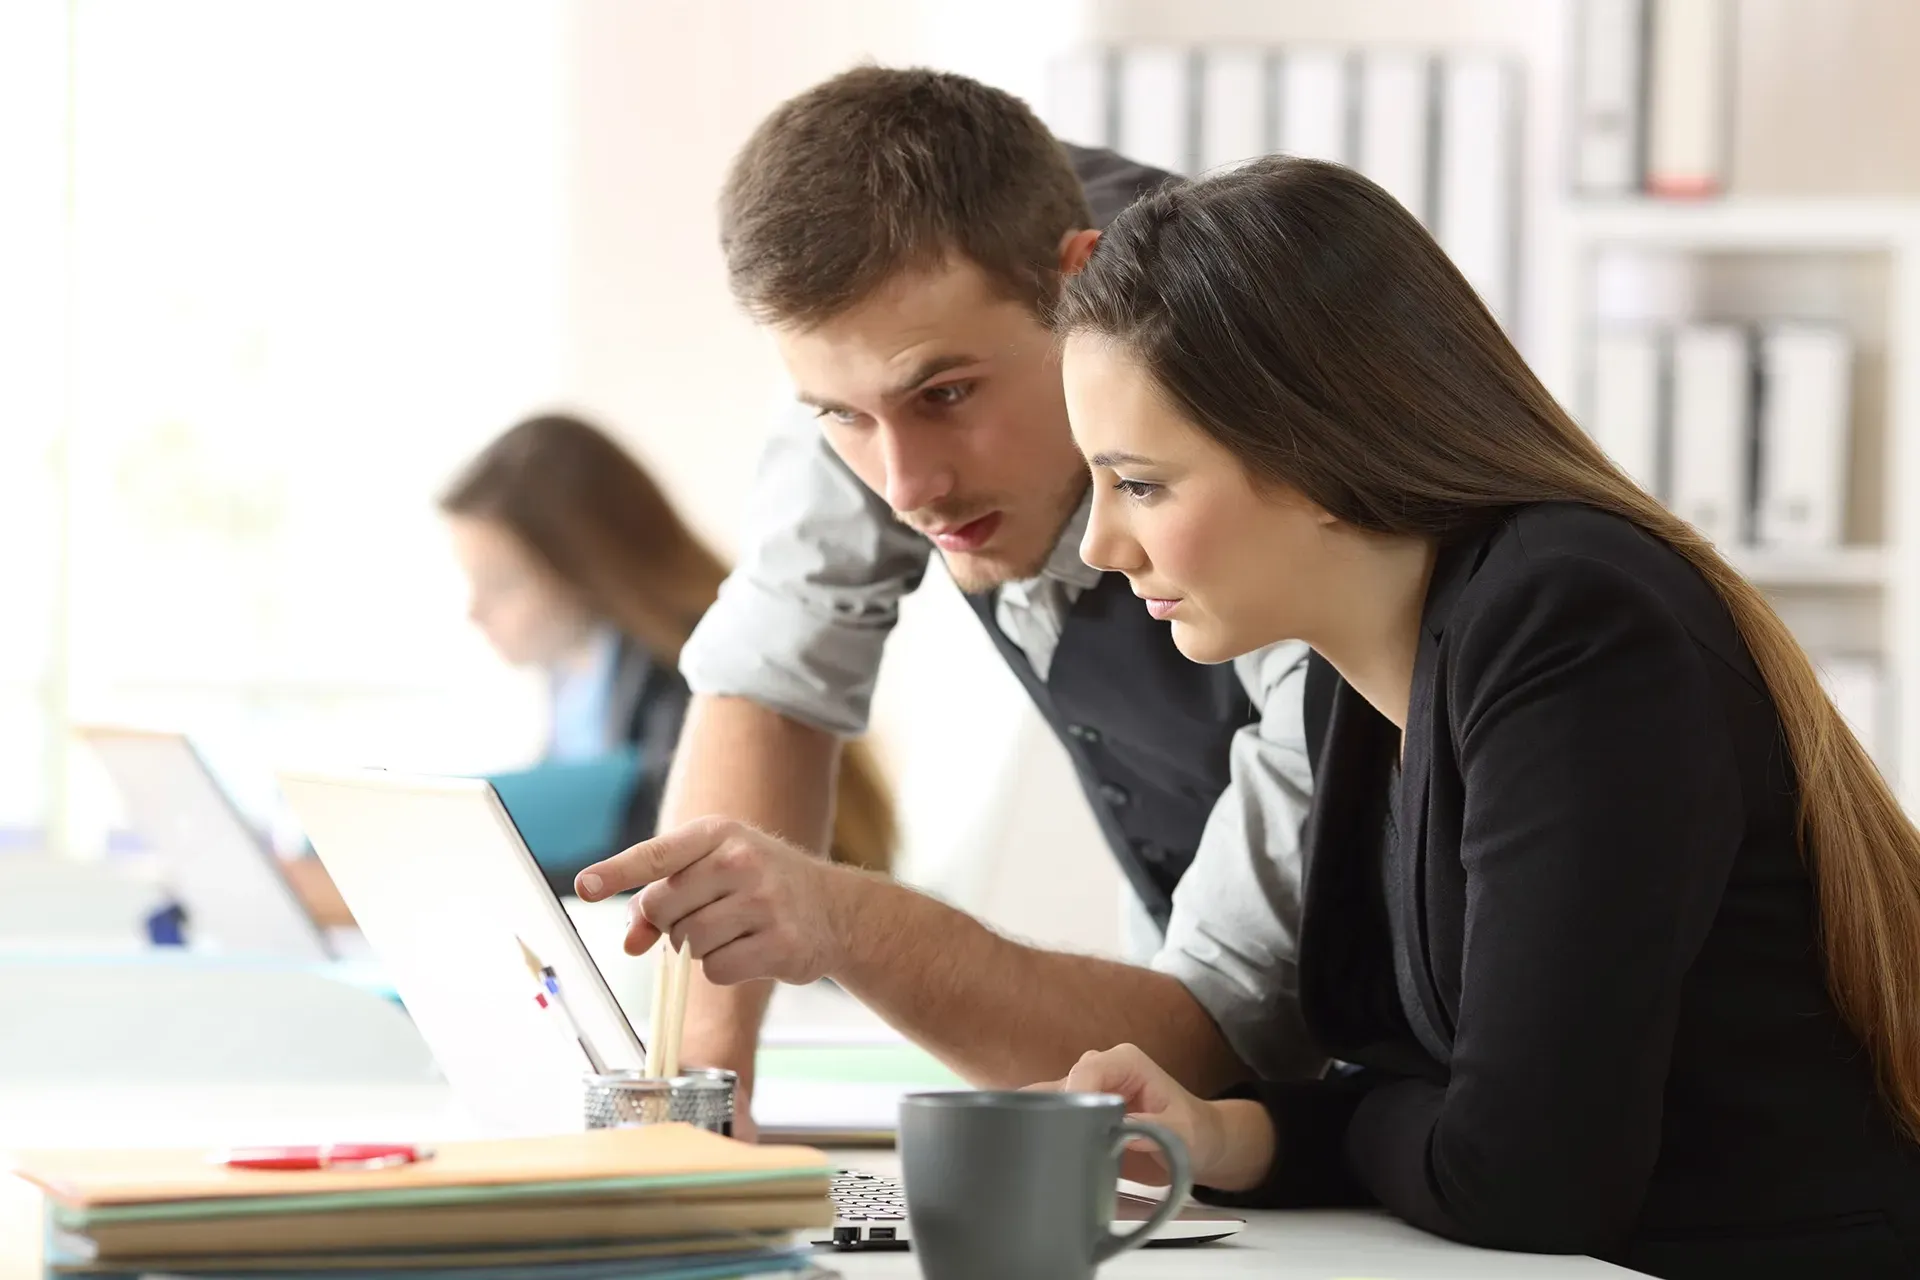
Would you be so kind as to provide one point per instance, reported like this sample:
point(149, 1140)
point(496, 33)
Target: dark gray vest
point(1146, 728)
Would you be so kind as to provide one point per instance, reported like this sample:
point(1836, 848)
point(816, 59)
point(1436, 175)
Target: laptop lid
point(446, 892)
point(223, 874)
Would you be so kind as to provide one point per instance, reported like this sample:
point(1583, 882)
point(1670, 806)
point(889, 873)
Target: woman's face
point(1233, 565)
point(527, 613)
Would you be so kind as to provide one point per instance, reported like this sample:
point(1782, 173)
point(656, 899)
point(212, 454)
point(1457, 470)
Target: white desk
point(1276, 1246)
point(1345, 1244)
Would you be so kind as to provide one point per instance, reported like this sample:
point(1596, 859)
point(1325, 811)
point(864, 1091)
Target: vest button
point(1115, 795)
point(1084, 733)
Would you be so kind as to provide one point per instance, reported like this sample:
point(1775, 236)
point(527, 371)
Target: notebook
point(96, 1187)
point(68, 1256)
point(700, 1264)
point(494, 1225)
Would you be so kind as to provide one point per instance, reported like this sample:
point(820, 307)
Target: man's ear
point(1075, 248)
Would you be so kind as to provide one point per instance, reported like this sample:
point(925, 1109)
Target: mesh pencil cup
point(702, 1098)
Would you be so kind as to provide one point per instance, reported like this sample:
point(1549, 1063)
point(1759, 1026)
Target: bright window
point(314, 257)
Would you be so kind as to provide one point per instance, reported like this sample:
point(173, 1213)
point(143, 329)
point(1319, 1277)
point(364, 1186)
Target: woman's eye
point(1136, 489)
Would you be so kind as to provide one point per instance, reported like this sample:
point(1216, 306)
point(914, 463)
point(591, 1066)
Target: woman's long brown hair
point(1303, 319)
point(593, 515)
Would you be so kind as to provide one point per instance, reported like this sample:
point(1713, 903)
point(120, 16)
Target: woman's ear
point(1075, 248)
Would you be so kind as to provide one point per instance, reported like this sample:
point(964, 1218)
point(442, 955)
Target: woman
point(1610, 925)
point(578, 564)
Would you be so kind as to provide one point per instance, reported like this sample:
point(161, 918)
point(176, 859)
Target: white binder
point(1804, 407)
point(1395, 124)
point(1235, 107)
point(1689, 97)
point(1155, 107)
point(1627, 418)
point(1609, 97)
point(1712, 430)
point(1477, 194)
point(1079, 102)
point(1316, 104)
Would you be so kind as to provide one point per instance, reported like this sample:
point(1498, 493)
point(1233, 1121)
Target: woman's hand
point(1230, 1144)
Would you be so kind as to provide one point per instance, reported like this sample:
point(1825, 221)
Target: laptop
point(218, 866)
point(447, 893)
point(871, 1214)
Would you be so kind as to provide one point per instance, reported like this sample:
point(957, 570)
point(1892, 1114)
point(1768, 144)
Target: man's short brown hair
point(879, 170)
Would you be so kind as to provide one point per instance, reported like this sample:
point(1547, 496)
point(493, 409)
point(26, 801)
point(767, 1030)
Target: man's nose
point(918, 472)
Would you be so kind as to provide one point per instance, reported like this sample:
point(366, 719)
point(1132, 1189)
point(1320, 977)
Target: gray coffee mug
point(1020, 1186)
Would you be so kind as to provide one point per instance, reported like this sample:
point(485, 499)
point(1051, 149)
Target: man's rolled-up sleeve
point(803, 619)
point(1233, 939)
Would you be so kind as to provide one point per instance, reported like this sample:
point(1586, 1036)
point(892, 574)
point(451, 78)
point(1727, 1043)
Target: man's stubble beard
point(975, 575)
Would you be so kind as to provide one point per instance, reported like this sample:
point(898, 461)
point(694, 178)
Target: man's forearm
point(739, 759)
point(1003, 1014)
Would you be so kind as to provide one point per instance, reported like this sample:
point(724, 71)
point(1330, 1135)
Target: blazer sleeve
point(1602, 814)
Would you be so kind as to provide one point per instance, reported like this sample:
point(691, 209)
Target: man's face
point(945, 399)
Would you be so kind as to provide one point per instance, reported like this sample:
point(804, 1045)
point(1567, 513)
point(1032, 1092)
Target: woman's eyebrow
point(1116, 458)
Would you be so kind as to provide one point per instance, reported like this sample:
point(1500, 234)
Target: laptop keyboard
point(866, 1197)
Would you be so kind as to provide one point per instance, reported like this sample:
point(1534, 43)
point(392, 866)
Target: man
point(901, 233)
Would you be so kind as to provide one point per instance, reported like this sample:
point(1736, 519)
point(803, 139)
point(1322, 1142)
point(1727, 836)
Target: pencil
point(672, 972)
point(549, 994)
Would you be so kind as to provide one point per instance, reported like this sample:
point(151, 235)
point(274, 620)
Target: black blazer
point(1614, 939)
point(647, 708)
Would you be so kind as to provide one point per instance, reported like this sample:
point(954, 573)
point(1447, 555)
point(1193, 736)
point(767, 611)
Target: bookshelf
point(1850, 261)
point(1833, 226)
point(1857, 567)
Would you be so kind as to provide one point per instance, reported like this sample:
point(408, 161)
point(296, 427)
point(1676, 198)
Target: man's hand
point(748, 905)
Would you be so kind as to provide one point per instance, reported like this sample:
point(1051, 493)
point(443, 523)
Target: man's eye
point(948, 394)
point(843, 417)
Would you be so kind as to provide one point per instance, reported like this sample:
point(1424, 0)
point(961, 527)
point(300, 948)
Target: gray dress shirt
point(800, 627)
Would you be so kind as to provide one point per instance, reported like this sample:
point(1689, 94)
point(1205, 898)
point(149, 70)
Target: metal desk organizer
point(702, 1098)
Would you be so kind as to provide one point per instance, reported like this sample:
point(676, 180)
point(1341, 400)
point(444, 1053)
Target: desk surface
point(1344, 1245)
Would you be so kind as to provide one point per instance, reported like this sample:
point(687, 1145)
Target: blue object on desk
point(571, 812)
point(167, 926)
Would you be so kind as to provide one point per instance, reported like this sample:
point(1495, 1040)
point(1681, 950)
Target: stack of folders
point(665, 1202)
point(1439, 131)
point(1742, 431)
point(1653, 86)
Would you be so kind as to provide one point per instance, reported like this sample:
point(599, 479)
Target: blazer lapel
point(1410, 851)
point(1454, 566)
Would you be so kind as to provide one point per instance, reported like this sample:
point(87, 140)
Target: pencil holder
point(703, 1098)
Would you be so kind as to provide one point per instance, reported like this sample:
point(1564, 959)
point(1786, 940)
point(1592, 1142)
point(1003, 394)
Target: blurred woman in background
point(579, 565)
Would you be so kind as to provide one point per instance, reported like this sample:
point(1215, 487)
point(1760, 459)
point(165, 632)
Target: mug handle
point(1176, 1153)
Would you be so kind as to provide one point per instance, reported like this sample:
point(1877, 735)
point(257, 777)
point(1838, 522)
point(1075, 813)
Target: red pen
point(332, 1155)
